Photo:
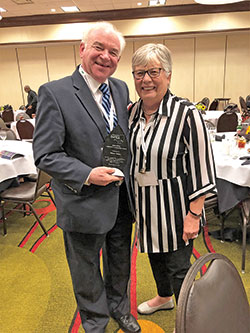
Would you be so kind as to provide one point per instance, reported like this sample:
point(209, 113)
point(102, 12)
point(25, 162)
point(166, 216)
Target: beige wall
point(212, 65)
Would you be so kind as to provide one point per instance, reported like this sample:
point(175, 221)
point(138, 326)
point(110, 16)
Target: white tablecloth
point(227, 162)
point(213, 116)
point(13, 126)
point(18, 166)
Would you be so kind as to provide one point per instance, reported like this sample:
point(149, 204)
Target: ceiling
point(41, 7)
point(34, 12)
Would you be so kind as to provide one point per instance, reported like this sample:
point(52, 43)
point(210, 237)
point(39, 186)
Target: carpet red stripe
point(29, 234)
point(77, 324)
point(133, 281)
point(42, 238)
point(208, 241)
point(197, 255)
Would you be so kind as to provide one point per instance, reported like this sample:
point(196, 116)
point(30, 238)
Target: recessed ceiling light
point(157, 2)
point(70, 9)
point(53, 10)
point(139, 3)
point(2, 10)
point(216, 2)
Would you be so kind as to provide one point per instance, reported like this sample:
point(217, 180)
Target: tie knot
point(104, 88)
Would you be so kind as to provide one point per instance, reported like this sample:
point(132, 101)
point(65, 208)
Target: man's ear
point(82, 48)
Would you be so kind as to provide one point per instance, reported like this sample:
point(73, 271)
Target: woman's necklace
point(149, 113)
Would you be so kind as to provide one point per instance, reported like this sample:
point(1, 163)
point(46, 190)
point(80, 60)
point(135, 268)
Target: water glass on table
point(212, 133)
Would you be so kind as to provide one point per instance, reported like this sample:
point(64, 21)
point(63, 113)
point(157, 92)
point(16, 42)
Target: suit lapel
point(83, 93)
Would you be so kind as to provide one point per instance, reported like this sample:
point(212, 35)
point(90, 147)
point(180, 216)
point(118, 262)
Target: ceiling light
point(139, 3)
point(216, 2)
point(53, 10)
point(2, 10)
point(157, 2)
point(70, 9)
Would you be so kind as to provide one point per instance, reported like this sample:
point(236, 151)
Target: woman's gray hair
point(107, 27)
point(149, 52)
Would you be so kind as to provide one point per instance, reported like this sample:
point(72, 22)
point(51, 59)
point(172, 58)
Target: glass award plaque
point(115, 150)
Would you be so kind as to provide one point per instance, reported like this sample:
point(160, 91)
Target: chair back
point(2, 124)
point(214, 105)
point(205, 101)
point(25, 129)
point(215, 302)
point(243, 104)
point(42, 180)
point(227, 122)
point(232, 107)
point(209, 125)
point(22, 115)
point(10, 135)
point(248, 101)
point(8, 115)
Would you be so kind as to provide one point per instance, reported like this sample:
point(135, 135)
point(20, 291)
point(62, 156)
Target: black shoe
point(128, 323)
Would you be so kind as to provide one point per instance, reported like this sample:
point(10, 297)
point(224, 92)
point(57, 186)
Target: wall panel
point(33, 67)
point(10, 91)
point(209, 67)
point(61, 61)
point(237, 78)
point(124, 69)
point(182, 81)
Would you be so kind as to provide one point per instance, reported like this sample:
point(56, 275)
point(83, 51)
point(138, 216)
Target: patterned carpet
point(35, 284)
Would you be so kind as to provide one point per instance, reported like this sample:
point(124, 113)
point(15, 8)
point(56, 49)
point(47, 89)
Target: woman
point(172, 171)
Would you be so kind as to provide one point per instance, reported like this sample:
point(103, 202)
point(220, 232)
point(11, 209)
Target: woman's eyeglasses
point(152, 72)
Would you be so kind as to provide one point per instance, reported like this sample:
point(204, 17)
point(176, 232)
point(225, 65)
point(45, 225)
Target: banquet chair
point(26, 194)
point(245, 207)
point(214, 105)
point(213, 302)
point(231, 107)
point(205, 101)
point(227, 122)
point(243, 105)
point(10, 135)
point(248, 101)
point(22, 115)
point(25, 129)
point(2, 124)
point(8, 116)
point(209, 124)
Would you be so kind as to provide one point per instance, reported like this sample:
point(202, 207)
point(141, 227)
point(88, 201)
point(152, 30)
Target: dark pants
point(30, 112)
point(169, 270)
point(99, 298)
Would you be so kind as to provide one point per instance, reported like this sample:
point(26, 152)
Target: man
point(91, 209)
point(32, 101)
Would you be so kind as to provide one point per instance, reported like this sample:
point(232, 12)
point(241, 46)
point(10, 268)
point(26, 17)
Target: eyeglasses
point(152, 72)
point(100, 48)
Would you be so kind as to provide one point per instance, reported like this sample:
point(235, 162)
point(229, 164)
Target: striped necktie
point(107, 107)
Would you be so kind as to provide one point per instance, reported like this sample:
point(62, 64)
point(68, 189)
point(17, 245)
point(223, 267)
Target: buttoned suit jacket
point(68, 142)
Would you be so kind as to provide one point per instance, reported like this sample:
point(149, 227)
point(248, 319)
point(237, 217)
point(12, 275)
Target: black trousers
point(99, 297)
point(169, 270)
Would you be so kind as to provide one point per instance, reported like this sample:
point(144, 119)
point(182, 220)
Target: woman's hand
point(191, 227)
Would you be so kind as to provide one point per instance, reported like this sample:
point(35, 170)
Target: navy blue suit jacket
point(68, 141)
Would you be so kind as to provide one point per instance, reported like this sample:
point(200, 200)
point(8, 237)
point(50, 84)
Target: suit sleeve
point(49, 142)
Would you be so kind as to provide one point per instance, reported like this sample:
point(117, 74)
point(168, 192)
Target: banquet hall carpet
point(35, 284)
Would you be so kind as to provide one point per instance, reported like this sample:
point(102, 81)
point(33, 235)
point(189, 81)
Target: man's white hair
point(107, 27)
